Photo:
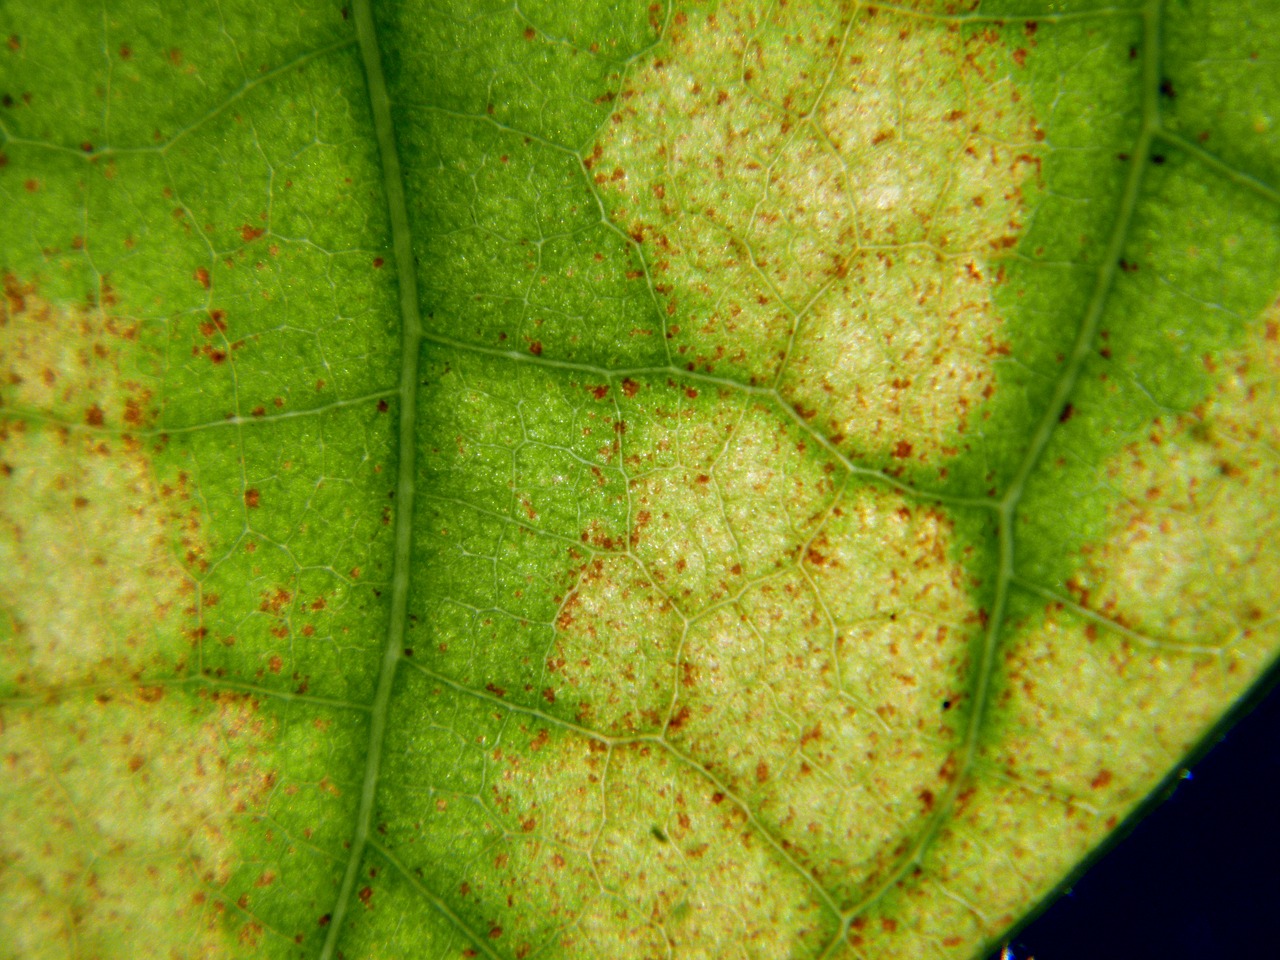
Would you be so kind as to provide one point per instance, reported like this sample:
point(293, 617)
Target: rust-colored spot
point(252, 498)
point(536, 348)
point(275, 601)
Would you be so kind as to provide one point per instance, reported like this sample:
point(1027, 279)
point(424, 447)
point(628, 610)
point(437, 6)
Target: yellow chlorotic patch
point(622, 850)
point(771, 667)
point(70, 362)
point(837, 676)
point(88, 536)
point(118, 813)
point(1194, 553)
point(824, 205)
point(616, 638)
point(88, 572)
point(121, 791)
point(1167, 622)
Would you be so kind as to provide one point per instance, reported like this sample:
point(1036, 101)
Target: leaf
point(765, 480)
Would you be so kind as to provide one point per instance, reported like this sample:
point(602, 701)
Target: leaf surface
point(729, 479)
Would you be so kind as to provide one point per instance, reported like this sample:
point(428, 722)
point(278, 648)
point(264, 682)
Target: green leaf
point(594, 479)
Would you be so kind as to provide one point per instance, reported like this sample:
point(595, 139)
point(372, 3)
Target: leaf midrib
point(410, 347)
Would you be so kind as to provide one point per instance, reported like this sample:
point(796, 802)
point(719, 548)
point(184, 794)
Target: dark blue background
point(1198, 878)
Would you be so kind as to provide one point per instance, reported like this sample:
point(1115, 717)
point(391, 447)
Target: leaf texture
point(730, 479)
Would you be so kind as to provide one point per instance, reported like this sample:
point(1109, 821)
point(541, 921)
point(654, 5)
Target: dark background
point(1198, 878)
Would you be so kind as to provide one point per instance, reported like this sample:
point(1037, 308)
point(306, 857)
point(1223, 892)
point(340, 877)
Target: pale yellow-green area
point(89, 576)
point(1195, 549)
point(117, 816)
point(120, 791)
point(1103, 697)
point(618, 633)
point(626, 851)
point(766, 670)
point(823, 203)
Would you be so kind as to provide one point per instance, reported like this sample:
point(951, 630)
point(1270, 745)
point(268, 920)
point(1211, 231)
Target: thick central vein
point(410, 342)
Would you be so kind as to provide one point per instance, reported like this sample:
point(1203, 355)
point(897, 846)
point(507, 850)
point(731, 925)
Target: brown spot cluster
point(65, 360)
point(616, 639)
point(88, 570)
point(101, 794)
point(838, 231)
point(1198, 512)
point(99, 549)
point(1180, 585)
point(636, 849)
point(793, 638)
